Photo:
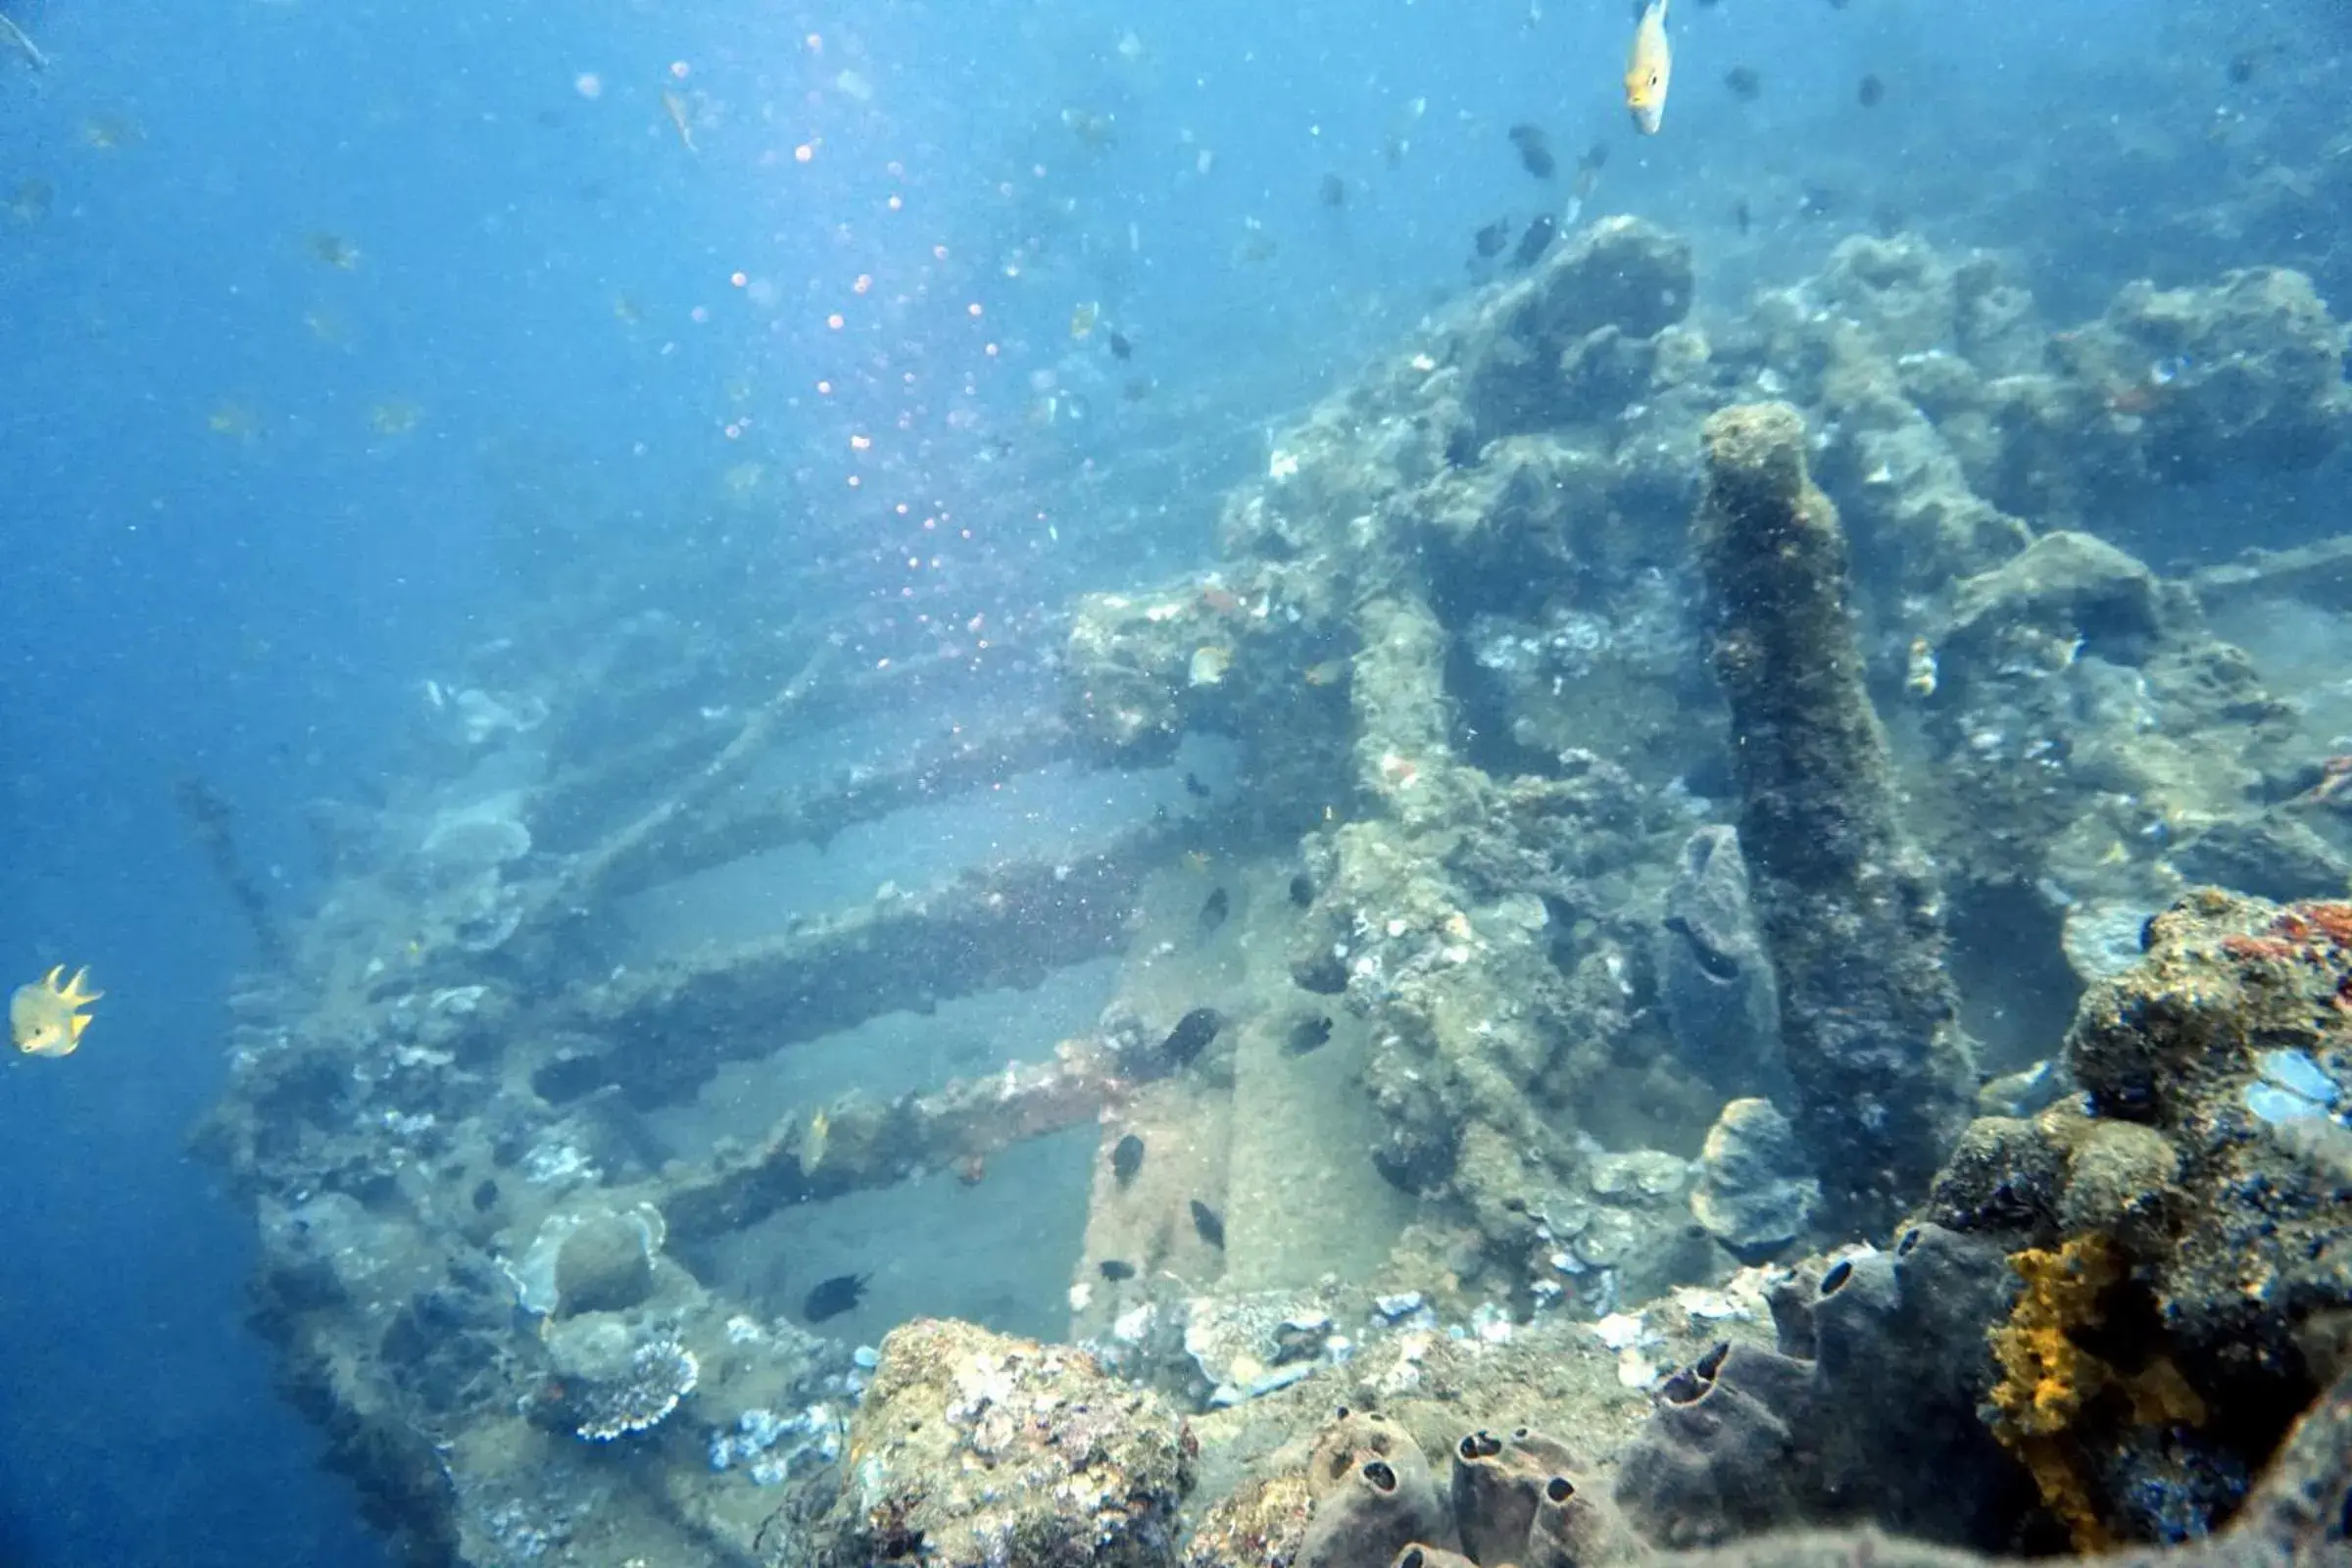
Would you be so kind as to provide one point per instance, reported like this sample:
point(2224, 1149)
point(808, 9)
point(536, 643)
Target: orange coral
point(2332, 920)
point(2258, 949)
point(2046, 1378)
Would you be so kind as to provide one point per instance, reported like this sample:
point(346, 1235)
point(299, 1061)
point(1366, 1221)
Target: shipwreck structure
point(1522, 964)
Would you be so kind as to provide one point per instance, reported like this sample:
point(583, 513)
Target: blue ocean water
point(339, 336)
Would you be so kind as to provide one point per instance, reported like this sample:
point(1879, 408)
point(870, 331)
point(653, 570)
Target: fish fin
point(49, 980)
point(75, 995)
point(74, 1028)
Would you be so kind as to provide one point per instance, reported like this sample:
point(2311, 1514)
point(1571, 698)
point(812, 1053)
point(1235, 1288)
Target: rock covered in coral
point(2066, 585)
point(2246, 373)
point(1620, 280)
point(2183, 1229)
point(982, 1450)
point(1868, 1015)
point(2229, 1042)
point(2091, 737)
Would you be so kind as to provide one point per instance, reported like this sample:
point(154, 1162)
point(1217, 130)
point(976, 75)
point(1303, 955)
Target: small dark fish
point(1126, 1158)
point(1535, 241)
point(2243, 65)
point(1840, 5)
point(1302, 890)
point(1120, 347)
point(1490, 239)
point(485, 1195)
point(1195, 788)
point(1210, 1223)
point(1872, 92)
point(1535, 150)
point(1587, 170)
point(1138, 388)
point(1191, 1035)
point(1745, 82)
point(1213, 911)
point(1743, 218)
point(1308, 1034)
point(1333, 191)
point(1114, 1270)
point(834, 1296)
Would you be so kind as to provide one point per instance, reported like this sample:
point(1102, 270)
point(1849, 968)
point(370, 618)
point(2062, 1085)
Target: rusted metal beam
point(868, 1144)
point(664, 1031)
point(938, 769)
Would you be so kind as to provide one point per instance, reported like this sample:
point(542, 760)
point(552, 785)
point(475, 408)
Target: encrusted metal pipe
point(1882, 1071)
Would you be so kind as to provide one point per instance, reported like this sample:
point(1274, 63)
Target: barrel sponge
point(1579, 1526)
point(1497, 1484)
point(1719, 1457)
point(1374, 1497)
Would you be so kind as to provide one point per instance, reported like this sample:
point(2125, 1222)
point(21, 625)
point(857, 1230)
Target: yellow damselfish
point(46, 1018)
point(1649, 69)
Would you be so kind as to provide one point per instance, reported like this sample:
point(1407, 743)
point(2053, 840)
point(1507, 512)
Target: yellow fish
point(1649, 69)
point(812, 1147)
point(46, 1018)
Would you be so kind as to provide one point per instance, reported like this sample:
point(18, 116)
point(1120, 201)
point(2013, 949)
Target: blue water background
point(218, 565)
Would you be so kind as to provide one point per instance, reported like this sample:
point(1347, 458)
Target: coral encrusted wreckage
point(1754, 985)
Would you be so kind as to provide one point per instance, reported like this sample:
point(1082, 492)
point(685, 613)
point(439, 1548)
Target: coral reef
point(1868, 1016)
point(2183, 1227)
point(973, 1448)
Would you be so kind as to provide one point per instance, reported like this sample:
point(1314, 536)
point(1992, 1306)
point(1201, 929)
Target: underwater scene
point(1074, 784)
